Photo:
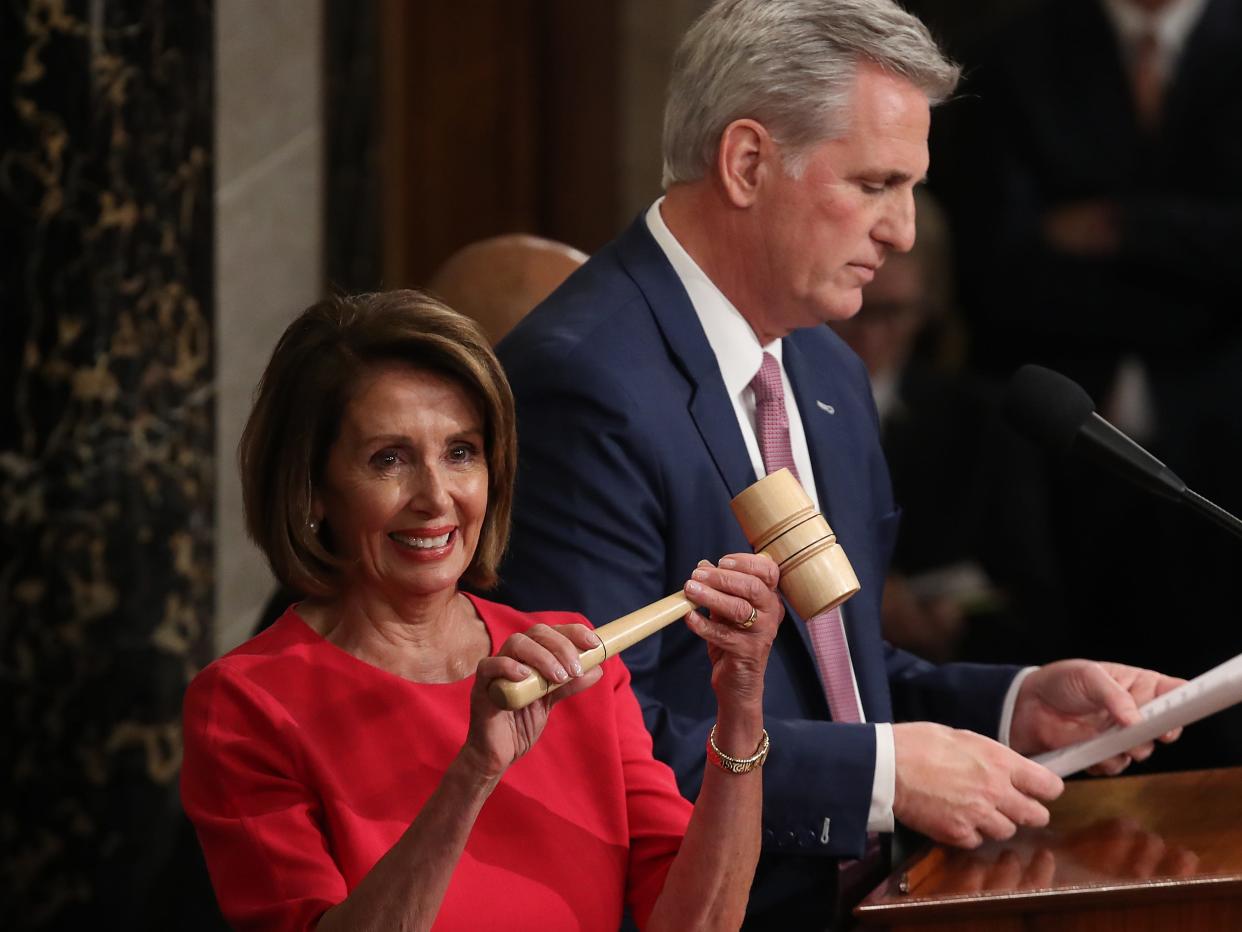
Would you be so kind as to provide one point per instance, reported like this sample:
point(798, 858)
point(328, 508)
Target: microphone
point(1058, 414)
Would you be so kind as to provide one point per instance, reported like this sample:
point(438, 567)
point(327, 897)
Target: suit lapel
point(1190, 94)
point(812, 388)
point(710, 407)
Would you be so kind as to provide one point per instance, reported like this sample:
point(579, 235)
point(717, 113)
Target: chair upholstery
point(497, 281)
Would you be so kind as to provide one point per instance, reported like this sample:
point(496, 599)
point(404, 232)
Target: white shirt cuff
point(884, 787)
point(1011, 699)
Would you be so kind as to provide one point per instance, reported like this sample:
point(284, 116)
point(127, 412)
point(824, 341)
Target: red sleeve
point(257, 821)
point(658, 813)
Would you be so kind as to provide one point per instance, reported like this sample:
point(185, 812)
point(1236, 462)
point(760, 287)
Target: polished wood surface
point(497, 116)
point(1149, 852)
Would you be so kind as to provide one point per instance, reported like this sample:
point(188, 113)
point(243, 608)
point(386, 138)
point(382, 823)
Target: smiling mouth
point(421, 543)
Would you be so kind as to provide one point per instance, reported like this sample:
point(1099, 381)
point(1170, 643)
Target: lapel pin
point(826, 407)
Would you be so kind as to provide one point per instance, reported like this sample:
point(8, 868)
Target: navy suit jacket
point(629, 455)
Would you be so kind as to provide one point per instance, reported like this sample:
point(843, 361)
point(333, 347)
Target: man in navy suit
point(795, 133)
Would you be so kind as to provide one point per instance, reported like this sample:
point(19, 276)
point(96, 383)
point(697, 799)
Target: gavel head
point(779, 519)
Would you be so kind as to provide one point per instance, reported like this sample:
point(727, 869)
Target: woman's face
point(404, 491)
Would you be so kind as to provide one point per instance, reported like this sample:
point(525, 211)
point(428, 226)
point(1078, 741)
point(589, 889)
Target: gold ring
point(754, 616)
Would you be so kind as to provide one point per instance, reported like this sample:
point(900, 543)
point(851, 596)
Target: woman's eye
point(461, 453)
point(386, 459)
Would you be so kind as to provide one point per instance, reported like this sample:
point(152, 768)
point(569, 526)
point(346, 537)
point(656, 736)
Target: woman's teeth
point(422, 543)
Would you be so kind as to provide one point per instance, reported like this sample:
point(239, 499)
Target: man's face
point(821, 236)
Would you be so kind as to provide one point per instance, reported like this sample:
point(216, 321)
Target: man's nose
point(896, 228)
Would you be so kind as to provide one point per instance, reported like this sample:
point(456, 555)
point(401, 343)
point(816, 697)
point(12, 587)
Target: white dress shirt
point(1171, 26)
point(739, 355)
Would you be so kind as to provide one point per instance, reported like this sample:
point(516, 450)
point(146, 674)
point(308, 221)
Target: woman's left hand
point(745, 610)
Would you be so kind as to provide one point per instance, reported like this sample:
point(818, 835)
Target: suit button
point(769, 835)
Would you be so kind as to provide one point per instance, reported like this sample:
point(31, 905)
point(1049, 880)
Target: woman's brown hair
point(301, 400)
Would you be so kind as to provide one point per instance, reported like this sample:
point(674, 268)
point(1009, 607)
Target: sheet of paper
point(1217, 689)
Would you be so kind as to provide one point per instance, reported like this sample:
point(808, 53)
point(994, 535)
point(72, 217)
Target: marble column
point(106, 445)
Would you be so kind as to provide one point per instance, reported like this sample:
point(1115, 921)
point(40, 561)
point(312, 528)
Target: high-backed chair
point(497, 281)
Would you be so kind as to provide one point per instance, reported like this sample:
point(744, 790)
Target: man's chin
point(836, 307)
point(841, 306)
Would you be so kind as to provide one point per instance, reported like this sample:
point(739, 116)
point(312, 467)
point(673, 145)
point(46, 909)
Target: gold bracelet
point(736, 764)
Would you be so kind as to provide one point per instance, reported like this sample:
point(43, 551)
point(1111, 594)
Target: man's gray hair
point(790, 65)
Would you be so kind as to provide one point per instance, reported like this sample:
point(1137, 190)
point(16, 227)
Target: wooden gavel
point(778, 519)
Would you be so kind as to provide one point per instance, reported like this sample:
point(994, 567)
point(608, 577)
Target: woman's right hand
point(498, 737)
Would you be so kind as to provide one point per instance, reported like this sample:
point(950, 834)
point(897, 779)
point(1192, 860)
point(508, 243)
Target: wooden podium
point(1160, 852)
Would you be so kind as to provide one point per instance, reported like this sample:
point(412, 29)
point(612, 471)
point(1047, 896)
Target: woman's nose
point(429, 492)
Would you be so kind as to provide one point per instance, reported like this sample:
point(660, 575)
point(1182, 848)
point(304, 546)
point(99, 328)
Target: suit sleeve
point(960, 695)
point(589, 534)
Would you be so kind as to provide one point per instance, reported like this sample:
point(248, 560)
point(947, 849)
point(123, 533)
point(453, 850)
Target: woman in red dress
point(345, 769)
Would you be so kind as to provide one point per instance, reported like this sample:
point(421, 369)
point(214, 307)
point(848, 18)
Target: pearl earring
point(313, 525)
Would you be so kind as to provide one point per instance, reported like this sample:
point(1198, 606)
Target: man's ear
point(743, 156)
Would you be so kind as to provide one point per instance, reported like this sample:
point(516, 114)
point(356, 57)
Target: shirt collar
point(1172, 25)
point(731, 338)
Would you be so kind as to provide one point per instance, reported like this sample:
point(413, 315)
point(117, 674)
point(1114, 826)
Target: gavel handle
point(614, 637)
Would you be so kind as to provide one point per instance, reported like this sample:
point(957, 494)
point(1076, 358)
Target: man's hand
point(959, 787)
point(1083, 228)
point(1072, 700)
point(929, 627)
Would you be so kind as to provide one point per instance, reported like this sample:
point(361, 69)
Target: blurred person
point(971, 575)
point(1095, 204)
point(925, 614)
point(688, 357)
point(1091, 173)
point(915, 403)
point(1099, 213)
point(346, 769)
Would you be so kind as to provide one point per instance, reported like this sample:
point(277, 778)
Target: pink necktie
point(1145, 80)
point(826, 630)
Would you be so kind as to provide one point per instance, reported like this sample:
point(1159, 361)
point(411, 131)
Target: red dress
point(304, 765)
